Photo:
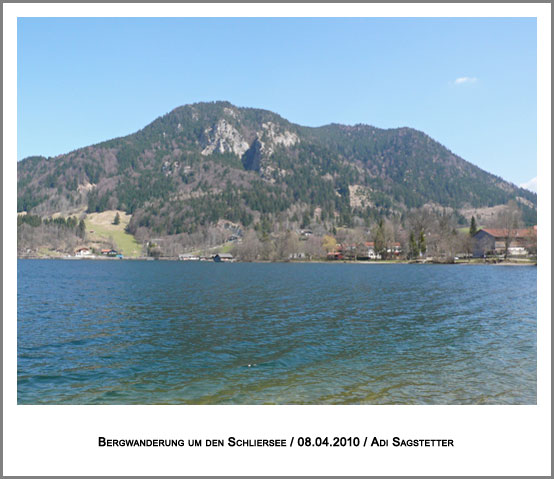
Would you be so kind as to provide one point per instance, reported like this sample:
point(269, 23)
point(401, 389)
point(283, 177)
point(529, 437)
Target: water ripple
point(202, 333)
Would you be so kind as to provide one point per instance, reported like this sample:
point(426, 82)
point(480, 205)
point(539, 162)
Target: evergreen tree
point(82, 229)
point(116, 220)
point(305, 220)
point(473, 227)
point(414, 250)
point(421, 245)
point(379, 239)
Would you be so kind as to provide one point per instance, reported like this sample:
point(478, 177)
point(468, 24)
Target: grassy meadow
point(100, 229)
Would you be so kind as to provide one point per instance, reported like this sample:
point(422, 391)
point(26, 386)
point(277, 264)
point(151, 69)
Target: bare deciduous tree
point(287, 246)
point(250, 249)
point(314, 248)
point(509, 220)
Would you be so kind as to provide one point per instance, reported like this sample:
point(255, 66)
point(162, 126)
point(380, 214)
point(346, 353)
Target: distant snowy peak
point(530, 185)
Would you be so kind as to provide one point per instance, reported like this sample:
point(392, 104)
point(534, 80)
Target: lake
point(169, 332)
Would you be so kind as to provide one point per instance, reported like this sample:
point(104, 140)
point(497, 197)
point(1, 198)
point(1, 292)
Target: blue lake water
point(161, 332)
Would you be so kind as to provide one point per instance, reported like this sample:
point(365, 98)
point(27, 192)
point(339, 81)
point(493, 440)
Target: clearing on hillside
point(100, 228)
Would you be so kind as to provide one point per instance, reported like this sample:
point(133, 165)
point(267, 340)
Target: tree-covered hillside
point(207, 162)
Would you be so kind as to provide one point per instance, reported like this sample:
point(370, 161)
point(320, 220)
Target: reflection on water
point(131, 332)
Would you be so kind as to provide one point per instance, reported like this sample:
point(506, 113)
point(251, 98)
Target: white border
point(61, 440)
point(277, 10)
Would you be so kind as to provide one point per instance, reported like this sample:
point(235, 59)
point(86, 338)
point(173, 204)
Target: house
point(492, 241)
point(335, 255)
point(189, 257)
point(395, 249)
point(82, 252)
point(345, 251)
point(109, 252)
point(223, 258)
point(371, 253)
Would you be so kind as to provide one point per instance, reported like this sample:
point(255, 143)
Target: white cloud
point(462, 80)
point(530, 185)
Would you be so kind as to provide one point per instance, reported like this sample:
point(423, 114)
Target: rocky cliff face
point(224, 138)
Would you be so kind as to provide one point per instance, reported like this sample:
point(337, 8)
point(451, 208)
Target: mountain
point(207, 162)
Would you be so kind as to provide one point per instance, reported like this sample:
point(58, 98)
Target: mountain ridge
point(206, 162)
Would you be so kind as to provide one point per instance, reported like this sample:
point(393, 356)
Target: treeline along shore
point(426, 236)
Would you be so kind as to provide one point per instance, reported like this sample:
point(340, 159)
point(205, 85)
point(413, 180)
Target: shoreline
point(437, 263)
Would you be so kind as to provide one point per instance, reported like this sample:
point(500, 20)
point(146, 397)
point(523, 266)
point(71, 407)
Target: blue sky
point(468, 83)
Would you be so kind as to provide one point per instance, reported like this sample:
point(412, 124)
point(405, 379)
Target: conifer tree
point(473, 227)
point(82, 229)
point(421, 245)
point(414, 250)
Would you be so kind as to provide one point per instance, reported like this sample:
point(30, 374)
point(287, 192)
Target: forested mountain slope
point(207, 162)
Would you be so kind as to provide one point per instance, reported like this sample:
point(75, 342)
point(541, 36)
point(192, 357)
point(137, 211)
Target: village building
point(189, 257)
point(223, 258)
point(335, 255)
point(371, 253)
point(348, 251)
point(112, 253)
point(492, 241)
point(395, 249)
point(81, 252)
